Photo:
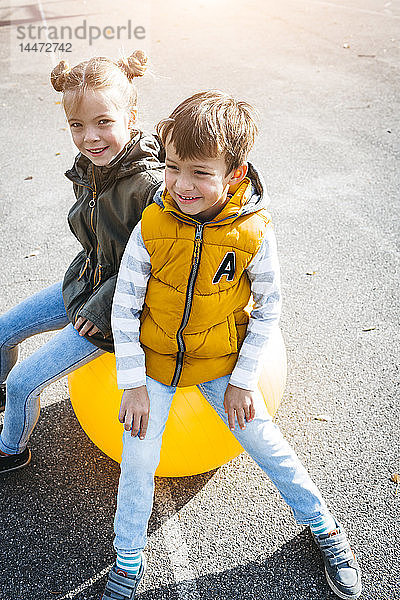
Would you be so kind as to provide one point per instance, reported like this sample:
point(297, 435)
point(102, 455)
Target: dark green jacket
point(109, 203)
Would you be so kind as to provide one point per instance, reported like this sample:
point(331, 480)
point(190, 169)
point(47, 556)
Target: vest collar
point(238, 197)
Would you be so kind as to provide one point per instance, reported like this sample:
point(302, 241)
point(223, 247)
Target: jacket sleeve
point(126, 310)
point(263, 272)
point(98, 306)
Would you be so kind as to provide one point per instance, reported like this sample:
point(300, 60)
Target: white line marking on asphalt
point(177, 549)
point(87, 584)
point(53, 60)
point(52, 54)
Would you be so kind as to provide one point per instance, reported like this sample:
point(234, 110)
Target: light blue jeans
point(63, 353)
point(261, 438)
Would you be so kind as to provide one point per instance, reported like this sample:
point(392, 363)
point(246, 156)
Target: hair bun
point(134, 65)
point(59, 74)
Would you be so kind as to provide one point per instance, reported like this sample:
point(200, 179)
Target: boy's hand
point(240, 402)
point(84, 326)
point(134, 411)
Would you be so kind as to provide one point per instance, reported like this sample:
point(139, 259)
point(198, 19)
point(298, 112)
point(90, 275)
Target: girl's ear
point(238, 174)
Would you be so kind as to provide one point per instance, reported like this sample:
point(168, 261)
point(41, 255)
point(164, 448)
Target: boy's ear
point(238, 174)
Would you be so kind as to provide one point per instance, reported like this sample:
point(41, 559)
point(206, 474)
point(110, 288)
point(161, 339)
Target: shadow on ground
point(57, 519)
point(285, 575)
point(57, 514)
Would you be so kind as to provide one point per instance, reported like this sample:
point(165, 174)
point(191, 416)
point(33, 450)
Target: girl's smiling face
point(99, 128)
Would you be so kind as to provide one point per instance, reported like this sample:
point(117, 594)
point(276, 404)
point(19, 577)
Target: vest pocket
point(233, 337)
point(220, 340)
point(154, 337)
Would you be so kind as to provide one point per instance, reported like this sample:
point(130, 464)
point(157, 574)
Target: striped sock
point(326, 524)
point(130, 563)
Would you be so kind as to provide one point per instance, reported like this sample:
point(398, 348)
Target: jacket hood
point(259, 197)
point(143, 152)
point(255, 199)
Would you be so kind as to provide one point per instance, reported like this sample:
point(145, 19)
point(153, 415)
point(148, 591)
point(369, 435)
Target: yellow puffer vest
point(194, 319)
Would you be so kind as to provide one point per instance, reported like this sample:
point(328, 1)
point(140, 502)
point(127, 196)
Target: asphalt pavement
point(324, 76)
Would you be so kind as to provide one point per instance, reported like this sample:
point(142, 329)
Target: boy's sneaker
point(11, 462)
point(341, 567)
point(2, 397)
point(120, 586)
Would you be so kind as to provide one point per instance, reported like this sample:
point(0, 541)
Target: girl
point(114, 177)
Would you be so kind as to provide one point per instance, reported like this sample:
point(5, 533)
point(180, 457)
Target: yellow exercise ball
point(195, 438)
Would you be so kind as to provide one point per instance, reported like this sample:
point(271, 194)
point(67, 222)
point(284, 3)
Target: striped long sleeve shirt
point(263, 273)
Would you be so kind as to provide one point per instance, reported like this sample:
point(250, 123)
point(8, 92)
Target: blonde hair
point(211, 124)
point(101, 73)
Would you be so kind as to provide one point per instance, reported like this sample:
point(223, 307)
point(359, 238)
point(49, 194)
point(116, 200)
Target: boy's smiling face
point(199, 186)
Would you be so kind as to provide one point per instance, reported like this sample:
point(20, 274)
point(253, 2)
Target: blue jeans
point(261, 438)
point(64, 353)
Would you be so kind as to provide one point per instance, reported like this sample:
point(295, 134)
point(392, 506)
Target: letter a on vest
point(227, 267)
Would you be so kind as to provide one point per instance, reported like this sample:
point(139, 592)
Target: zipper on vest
point(198, 240)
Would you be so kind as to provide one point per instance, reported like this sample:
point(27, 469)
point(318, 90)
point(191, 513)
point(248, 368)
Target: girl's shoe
point(12, 462)
point(2, 397)
point(342, 570)
point(122, 587)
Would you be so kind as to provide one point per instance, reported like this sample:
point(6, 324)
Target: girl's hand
point(239, 402)
point(84, 326)
point(134, 411)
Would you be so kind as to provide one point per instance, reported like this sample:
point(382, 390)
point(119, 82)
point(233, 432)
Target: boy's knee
point(140, 455)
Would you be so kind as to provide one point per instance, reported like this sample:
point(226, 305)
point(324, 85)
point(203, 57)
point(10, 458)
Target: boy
point(201, 251)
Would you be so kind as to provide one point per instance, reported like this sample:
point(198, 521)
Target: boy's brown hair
point(211, 124)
